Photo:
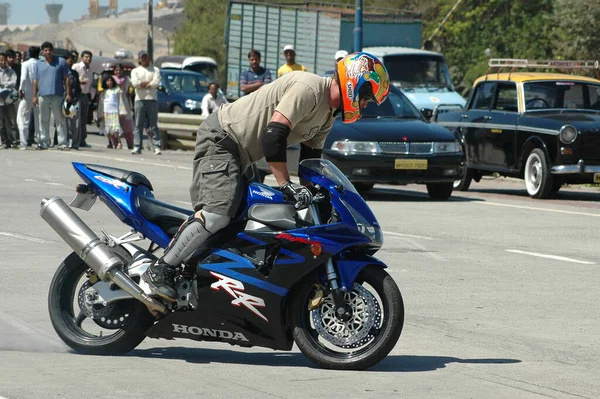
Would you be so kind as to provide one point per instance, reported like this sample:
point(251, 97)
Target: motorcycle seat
point(167, 217)
point(126, 176)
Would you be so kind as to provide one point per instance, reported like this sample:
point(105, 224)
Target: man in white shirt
point(145, 79)
point(212, 101)
point(26, 94)
point(85, 81)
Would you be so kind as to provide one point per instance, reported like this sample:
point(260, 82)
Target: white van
point(421, 75)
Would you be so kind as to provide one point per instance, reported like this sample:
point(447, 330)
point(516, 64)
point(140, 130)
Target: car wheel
point(363, 187)
point(556, 185)
point(465, 182)
point(176, 110)
point(440, 191)
point(538, 179)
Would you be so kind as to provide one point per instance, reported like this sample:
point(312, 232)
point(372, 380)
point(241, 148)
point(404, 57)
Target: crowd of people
point(40, 91)
point(46, 91)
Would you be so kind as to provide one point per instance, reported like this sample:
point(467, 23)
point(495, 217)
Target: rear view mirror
point(427, 113)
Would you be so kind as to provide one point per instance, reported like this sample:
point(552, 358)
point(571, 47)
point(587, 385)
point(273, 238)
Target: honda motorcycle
point(276, 275)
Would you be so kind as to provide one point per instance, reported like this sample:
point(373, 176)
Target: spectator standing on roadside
point(126, 119)
point(290, 56)
point(19, 57)
point(145, 79)
point(49, 81)
point(8, 115)
point(339, 55)
point(26, 111)
point(85, 80)
point(213, 100)
point(256, 76)
point(73, 120)
point(110, 106)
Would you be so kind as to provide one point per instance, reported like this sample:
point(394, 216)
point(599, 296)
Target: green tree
point(578, 24)
point(202, 32)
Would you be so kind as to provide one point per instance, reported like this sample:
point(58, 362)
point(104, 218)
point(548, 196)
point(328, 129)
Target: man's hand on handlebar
point(300, 194)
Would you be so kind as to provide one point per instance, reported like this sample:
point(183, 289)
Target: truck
point(318, 30)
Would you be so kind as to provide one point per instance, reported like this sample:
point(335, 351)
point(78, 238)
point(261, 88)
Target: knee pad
point(214, 222)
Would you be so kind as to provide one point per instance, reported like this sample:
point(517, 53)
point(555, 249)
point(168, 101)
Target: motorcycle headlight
point(567, 134)
point(373, 233)
point(446, 146)
point(356, 147)
point(192, 104)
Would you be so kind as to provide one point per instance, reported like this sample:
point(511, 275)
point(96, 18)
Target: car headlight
point(192, 104)
point(446, 146)
point(356, 147)
point(567, 134)
point(373, 233)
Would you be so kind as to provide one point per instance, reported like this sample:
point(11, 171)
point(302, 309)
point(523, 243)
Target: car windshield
point(329, 171)
point(562, 94)
point(206, 68)
point(417, 71)
point(187, 83)
point(395, 106)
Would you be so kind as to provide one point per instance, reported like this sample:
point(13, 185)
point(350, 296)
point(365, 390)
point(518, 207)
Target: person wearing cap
point(256, 76)
point(296, 109)
point(339, 55)
point(145, 79)
point(85, 82)
point(290, 57)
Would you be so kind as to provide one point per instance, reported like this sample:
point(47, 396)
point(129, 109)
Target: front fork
point(342, 310)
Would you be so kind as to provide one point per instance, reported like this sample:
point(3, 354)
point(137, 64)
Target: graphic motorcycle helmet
point(69, 110)
point(361, 76)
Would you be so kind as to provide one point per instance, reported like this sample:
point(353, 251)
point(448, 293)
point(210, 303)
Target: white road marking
point(537, 209)
point(31, 180)
point(22, 237)
point(54, 184)
point(555, 257)
point(141, 162)
point(391, 233)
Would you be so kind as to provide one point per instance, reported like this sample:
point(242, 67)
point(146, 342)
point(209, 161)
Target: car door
point(473, 122)
point(500, 138)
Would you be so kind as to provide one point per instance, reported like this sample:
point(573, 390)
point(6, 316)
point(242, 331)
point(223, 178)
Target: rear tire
point(61, 309)
point(440, 191)
point(380, 345)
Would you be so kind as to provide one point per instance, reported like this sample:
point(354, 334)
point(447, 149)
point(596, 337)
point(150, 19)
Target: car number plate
point(596, 177)
point(415, 164)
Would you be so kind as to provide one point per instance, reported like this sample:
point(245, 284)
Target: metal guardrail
point(179, 130)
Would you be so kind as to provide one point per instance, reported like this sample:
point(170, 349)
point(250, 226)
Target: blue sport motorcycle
point(276, 275)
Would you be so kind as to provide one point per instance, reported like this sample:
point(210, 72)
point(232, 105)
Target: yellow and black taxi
point(539, 126)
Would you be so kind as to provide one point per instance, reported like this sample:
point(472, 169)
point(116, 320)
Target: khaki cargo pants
point(218, 184)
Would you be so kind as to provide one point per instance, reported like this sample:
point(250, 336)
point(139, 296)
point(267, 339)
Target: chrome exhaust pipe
point(92, 250)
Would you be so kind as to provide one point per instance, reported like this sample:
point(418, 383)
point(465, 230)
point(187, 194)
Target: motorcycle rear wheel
point(373, 346)
point(67, 318)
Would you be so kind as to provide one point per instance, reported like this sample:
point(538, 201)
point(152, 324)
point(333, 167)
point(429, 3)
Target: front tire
point(385, 320)
point(67, 320)
point(465, 182)
point(538, 179)
point(440, 191)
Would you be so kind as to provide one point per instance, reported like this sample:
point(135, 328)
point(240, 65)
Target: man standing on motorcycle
point(298, 108)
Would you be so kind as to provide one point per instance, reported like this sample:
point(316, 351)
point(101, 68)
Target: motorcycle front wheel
point(361, 342)
point(114, 329)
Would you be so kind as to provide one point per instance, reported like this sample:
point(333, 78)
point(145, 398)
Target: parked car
point(540, 127)
point(204, 65)
point(391, 144)
point(181, 92)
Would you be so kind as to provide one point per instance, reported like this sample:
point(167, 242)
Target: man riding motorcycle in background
point(298, 108)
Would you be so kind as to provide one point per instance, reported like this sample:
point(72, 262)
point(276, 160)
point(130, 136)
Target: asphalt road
point(501, 296)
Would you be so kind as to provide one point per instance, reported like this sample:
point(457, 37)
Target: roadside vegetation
point(542, 29)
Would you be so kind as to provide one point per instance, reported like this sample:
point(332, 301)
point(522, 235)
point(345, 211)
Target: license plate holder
point(410, 164)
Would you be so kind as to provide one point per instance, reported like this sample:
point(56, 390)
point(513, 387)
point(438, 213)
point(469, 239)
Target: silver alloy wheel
point(366, 313)
point(533, 173)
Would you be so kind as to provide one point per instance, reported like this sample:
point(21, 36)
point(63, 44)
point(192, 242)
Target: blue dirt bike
point(273, 277)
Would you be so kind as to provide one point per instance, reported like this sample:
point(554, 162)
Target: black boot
point(160, 277)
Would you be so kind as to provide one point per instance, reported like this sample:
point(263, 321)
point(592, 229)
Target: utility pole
point(358, 26)
point(150, 43)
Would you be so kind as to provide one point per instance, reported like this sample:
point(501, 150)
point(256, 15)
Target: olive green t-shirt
point(303, 98)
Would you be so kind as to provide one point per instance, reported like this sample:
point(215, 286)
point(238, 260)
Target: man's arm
point(135, 79)
point(278, 165)
point(267, 78)
point(155, 79)
point(24, 77)
point(67, 82)
point(250, 87)
point(35, 92)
